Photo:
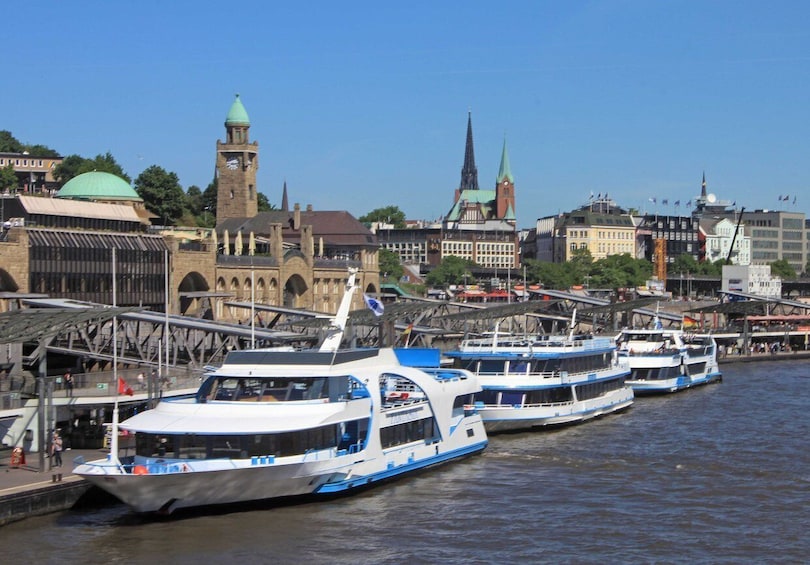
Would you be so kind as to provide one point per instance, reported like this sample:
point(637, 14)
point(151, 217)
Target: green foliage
point(388, 215)
point(683, 263)
point(162, 194)
point(75, 165)
point(620, 271)
point(390, 266)
point(10, 144)
point(782, 269)
point(263, 203)
point(8, 178)
point(452, 270)
point(551, 275)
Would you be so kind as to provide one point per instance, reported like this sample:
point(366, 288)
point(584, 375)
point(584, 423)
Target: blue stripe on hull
point(364, 480)
point(681, 383)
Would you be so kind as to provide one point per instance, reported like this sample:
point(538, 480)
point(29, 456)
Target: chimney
point(309, 207)
point(297, 217)
point(276, 242)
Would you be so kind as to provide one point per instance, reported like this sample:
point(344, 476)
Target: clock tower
point(237, 163)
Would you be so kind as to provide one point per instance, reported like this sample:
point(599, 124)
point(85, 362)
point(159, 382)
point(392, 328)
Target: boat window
point(599, 388)
point(275, 389)
point(193, 446)
point(408, 432)
point(492, 366)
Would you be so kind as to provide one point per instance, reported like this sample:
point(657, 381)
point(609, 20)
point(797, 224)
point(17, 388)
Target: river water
point(718, 474)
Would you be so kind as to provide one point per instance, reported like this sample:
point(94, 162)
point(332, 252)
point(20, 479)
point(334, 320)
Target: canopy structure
point(35, 324)
point(503, 311)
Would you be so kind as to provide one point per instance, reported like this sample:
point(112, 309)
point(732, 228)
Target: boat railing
point(557, 376)
point(517, 345)
point(479, 405)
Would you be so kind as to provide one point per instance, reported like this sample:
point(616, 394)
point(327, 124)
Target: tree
point(452, 270)
point(8, 178)
point(162, 194)
point(75, 165)
point(684, 263)
point(551, 275)
point(620, 271)
point(388, 215)
point(782, 269)
point(390, 266)
point(8, 143)
point(68, 168)
point(263, 203)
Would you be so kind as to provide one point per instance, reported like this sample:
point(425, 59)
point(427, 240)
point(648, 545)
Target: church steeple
point(703, 187)
point(469, 172)
point(505, 171)
point(285, 206)
point(505, 189)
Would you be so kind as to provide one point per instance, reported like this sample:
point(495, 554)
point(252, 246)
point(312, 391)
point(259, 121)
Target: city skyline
point(363, 106)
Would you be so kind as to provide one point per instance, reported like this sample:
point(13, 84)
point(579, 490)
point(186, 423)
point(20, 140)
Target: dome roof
point(237, 115)
point(97, 185)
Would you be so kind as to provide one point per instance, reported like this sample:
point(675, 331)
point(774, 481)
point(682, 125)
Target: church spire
point(703, 186)
point(285, 207)
point(505, 171)
point(469, 172)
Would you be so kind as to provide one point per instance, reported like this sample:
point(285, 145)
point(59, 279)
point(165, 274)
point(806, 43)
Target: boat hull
point(682, 382)
point(182, 487)
point(515, 418)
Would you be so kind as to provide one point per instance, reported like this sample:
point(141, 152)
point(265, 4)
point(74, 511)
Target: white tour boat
point(533, 381)
point(271, 423)
point(668, 360)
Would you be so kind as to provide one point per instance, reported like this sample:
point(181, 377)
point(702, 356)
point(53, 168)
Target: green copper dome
point(237, 116)
point(97, 185)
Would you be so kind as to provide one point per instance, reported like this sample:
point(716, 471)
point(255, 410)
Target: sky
point(362, 105)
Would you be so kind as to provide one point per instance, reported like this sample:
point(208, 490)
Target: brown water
point(718, 474)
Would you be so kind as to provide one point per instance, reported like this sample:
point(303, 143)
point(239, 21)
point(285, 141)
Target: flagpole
point(253, 309)
point(166, 316)
point(115, 416)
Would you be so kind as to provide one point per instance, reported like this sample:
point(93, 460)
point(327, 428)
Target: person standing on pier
point(69, 384)
point(56, 449)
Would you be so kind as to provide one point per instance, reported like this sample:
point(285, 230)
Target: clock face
point(233, 163)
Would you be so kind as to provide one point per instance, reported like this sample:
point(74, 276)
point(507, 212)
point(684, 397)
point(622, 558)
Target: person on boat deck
point(161, 449)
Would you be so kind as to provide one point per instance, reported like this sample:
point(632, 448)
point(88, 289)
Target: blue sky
point(360, 105)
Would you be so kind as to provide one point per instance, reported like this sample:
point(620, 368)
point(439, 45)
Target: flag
point(591, 196)
point(658, 324)
point(123, 388)
point(734, 203)
point(599, 196)
point(689, 322)
point(677, 203)
point(689, 203)
point(652, 200)
point(374, 305)
point(794, 199)
point(665, 201)
point(407, 330)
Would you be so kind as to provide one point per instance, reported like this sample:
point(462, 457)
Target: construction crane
point(660, 259)
point(734, 237)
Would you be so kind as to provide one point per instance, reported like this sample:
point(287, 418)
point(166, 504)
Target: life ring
point(140, 470)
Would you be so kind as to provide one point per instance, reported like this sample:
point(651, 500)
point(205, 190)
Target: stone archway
point(7, 283)
point(191, 305)
point(294, 289)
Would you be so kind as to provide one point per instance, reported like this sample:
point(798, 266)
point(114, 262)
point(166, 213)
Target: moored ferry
point(534, 381)
point(668, 360)
point(271, 424)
